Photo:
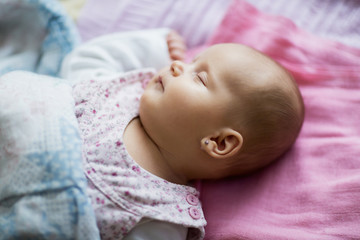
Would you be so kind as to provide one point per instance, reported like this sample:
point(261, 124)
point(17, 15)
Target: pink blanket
point(313, 192)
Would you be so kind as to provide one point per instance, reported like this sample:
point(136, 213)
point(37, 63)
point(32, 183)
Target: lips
point(160, 81)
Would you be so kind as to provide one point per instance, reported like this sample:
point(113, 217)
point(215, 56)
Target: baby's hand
point(176, 46)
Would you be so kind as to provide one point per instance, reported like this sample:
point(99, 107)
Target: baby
point(231, 111)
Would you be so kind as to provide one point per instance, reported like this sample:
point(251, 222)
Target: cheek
point(184, 113)
point(178, 111)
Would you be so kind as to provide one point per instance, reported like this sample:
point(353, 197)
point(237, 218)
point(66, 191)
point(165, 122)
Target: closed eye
point(202, 77)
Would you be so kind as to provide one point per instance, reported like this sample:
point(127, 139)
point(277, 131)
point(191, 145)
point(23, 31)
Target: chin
point(146, 111)
point(142, 108)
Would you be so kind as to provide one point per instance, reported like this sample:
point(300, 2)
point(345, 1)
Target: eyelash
point(197, 75)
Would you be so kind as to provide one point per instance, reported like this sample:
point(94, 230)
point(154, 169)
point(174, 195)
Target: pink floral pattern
point(122, 193)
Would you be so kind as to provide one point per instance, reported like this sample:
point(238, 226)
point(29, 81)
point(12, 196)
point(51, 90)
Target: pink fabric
point(334, 19)
point(313, 191)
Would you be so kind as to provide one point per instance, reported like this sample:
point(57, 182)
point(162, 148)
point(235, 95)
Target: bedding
point(35, 36)
point(42, 184)
point(331, 19)
point(312, 192)
point(195, 20)
point(73, 7)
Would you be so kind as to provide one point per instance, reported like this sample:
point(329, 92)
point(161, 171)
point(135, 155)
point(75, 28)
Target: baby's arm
point(120, 52)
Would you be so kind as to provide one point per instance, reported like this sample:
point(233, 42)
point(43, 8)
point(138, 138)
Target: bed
point(311, 192)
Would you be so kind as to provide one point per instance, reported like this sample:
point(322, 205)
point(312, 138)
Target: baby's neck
point(147, 154)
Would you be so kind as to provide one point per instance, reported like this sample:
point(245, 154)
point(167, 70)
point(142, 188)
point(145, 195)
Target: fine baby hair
point(268, 110)
point(270, 116)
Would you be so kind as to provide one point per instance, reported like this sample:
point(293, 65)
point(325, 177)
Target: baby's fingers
point(176, 46)
point(177, 55)
point(176, 50)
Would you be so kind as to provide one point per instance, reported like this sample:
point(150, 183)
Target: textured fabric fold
point(35, 35)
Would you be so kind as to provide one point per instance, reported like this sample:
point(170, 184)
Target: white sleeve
point(116, 53)
point(157, 230)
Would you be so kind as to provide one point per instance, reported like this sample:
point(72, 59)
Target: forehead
point(233, 57)
point(235, 62)
point(230, 62)
point(229, 50)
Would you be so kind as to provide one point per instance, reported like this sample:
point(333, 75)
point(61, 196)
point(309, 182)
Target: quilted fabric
point(42, 185)
point(35, 35)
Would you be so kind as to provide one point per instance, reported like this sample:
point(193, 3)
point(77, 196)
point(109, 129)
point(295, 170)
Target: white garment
point(128, 200)
point(152, 229)
point(114, 54)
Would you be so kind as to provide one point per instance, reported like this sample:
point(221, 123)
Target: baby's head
point(230, 111)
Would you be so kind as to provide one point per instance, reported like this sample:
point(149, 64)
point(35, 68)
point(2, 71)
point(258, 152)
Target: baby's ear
point(224, 143)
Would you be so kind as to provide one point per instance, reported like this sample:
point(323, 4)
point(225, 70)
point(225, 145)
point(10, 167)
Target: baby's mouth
point(160, 82)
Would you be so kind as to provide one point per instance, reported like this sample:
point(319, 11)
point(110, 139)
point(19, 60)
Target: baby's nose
point(177, 68)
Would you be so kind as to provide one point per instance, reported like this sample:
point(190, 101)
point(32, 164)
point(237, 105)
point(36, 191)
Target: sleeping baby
point(150, 127)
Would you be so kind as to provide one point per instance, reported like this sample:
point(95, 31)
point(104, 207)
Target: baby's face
point(184, 101)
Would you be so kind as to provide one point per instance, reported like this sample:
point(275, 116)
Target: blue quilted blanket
point(35, 35)
point(42, 184)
